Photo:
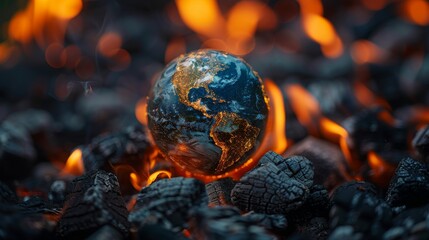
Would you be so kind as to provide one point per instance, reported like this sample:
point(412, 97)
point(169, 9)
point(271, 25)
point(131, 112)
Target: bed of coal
point(344, 153)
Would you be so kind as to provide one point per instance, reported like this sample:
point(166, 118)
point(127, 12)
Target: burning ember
point(214, 119)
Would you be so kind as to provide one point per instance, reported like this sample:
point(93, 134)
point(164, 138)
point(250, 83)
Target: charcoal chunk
point(296, 167)
point(219, 192)
point(7, 195)
point(274, 222)
point(17, 153)
point(93, 202)
point(357, 205)
point(31, 219)
point(330, 167)
point(421, 143)
point(106, 233)
point(167, 202)
point(57, 193)
point(267, 189)
point(409, 224)
point(410, 184)
point(224, 223)
point(130, 146)
point(316, 205)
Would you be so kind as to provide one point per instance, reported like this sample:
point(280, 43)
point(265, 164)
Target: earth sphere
point(207, 112)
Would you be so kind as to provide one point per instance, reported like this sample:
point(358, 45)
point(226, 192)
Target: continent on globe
point(207, 112)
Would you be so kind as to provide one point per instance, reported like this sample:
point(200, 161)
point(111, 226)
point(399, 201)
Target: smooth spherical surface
point(207, 112)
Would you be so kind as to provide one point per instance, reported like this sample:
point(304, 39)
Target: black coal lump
point(409, 224)
point(130, 146)
point(94, 201)
point(7, 195)
point(296, 167)
point(357, 205)
point(268, 189)
point(410, 184)
point(219, 191)
point(315, 206)
point(223, 223)
point(421, 143)
point(167, 202)
point(272, 222)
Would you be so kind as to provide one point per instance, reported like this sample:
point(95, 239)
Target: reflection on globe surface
point(207, 112)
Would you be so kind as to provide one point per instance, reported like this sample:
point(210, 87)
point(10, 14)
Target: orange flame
point(320, 29)
point(74, 164)
point(334, 132)
point(416, 11)
point(234, 33)
point(276, 132)
point(364, 51)
point(109, 44)
point(381, 171)
point(155, 175)
point(274, 138)
point(202, 16)
point(43, 20)
point(138, 183)
point(141, 111)
point(367, 98)
point(305, 106)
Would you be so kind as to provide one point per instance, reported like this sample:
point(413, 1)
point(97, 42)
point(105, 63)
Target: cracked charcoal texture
point(130, 146)
point(296, 167)
point(267, 189)
point(93, 202)
point(330, 167)
point(219, 192)
point(358, 205)
point(315, 206)
point(421, 143)
point(168, 202)
point(225, 222)
point(410, 184)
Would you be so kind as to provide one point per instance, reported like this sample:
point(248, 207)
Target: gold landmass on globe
point(192, 72)
point(234, 135)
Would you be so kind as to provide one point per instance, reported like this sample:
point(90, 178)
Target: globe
point(207, 112)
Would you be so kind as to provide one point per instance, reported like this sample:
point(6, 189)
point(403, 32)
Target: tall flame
point(320, 29)
point(305, 106)
point(74, 164)
point(233, 33)
point(43, 20)
point(381, 171)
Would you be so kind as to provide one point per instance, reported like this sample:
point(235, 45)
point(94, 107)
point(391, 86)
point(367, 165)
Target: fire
point(138, 183)
point(416, 11)
point(43, 20)
point(141, 111)
point(364, 51)
point(381, 171)
point(334, 132)
point(155, 175)
point(135, 181)
point(74, 164)
point(367, 98)
point(305, 106)
point(109, 44)
point(320, 29)
point(276, 132)
point(202, 16)
point(233, 33)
